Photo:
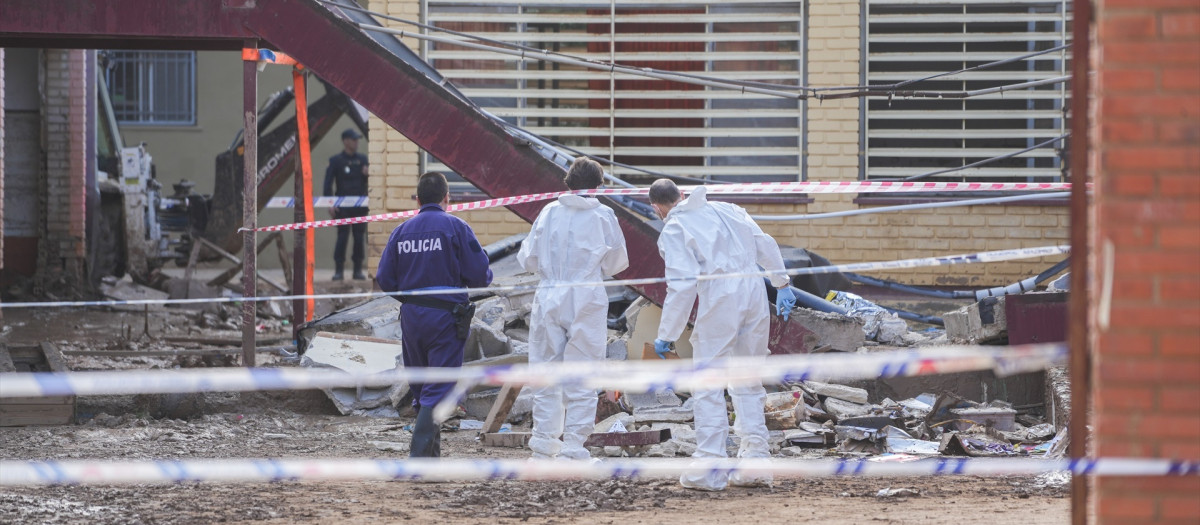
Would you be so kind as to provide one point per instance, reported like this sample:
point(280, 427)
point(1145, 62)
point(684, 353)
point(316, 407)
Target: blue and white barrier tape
point(634, 375)
point(96, 472)
point(982, 257)
point(320, 202)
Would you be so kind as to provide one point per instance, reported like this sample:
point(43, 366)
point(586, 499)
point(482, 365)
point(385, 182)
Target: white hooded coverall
point(733, 319)
point(575, 239)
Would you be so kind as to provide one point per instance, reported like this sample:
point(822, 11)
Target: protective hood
point(696, 200)
point(575, 201)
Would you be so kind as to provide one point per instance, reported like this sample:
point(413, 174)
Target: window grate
point(907, 40)
point(668, 127)
point(153, 87)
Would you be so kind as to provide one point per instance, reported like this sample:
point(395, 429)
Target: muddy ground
point(305, 424)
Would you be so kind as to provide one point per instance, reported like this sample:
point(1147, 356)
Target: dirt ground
point(305, 424)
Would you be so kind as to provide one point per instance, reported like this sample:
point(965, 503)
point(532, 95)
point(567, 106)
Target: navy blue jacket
point(433, 249)
point(349, 173)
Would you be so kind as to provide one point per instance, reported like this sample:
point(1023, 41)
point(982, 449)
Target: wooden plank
point(54, 357)
point(39, 415)
point(627, 439)
point(505, 439)
point(10, 402)
point(500, 409)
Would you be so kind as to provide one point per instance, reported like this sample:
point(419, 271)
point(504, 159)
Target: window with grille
point(153, 87)
point(912, 136)
point(670, 127)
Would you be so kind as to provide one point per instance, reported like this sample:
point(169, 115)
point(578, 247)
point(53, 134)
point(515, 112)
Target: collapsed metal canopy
point(402, 91)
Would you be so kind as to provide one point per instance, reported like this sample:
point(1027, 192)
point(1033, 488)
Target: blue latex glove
point(785, 300)
point(661, 347)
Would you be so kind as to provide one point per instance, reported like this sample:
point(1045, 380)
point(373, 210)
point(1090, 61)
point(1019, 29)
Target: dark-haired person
point(346, 176)
point(432, 250)
point(574, 239)
point(711, 238)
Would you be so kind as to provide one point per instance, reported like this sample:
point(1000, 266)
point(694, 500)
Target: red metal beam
point(139, 24)
point(467, 141)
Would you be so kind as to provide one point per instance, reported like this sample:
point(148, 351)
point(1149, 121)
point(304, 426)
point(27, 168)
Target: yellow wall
point(190, 152)
point(832, 155)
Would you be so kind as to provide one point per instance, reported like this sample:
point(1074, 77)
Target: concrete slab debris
point(839, 410)
point(982, 322)
point(360, 355)
point(505, 439)
point(389, 446)
point(845, 393)
point(826, 331)
point(627, 439)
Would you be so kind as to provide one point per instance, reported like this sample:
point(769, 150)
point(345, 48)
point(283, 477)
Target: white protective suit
point(573, 240)
point(733, 320)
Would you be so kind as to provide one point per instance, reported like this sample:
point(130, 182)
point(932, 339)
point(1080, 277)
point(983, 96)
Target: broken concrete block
point(664, 397)
point(838, 409)
point(680, 432)
point(505, 439)
point(830, 331)
point(843, 392)
point(981, 322)
point(485, 340)
point(666, 449)
point(389, 446)
point(478, 404)
point(617, 349)
point(663, 414)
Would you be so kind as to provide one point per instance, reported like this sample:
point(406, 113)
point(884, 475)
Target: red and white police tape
point(723, 189)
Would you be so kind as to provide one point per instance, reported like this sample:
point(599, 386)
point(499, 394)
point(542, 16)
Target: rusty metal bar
point(1077, 334)
point(249, 200)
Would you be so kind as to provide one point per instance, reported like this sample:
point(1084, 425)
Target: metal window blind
point(665, 126)
point(908, 39)
point(153, 87)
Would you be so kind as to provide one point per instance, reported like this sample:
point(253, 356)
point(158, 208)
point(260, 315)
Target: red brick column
point(1146, 151)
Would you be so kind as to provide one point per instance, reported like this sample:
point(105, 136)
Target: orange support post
point(306, 199)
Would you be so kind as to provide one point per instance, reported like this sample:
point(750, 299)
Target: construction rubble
point(805, 418)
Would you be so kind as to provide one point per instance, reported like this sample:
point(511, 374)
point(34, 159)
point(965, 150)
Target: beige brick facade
point(64, 96)
point(833, 153)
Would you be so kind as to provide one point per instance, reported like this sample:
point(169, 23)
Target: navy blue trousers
point(430, 340)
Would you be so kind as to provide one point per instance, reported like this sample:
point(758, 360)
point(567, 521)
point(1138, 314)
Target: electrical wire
point(904, 207)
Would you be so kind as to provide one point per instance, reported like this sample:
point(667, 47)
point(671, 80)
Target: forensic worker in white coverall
point(575, 239)
point(709, 238)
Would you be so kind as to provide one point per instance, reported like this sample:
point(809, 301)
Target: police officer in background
point(429, 251)
point(348, 172)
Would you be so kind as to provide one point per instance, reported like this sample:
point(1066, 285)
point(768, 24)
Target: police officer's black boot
point(426, 438)
point(358, 272)
point(337, 273)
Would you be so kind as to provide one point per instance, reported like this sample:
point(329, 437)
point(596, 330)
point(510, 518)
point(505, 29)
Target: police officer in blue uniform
point(432, 250)
point(348, 172)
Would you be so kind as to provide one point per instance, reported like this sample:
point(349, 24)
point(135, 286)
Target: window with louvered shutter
point(908, 39)
point(665, 126)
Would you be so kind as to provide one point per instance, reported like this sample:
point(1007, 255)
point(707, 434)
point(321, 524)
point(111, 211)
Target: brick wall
point(834, 49)
point(1146, 159)
point(64, 96)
